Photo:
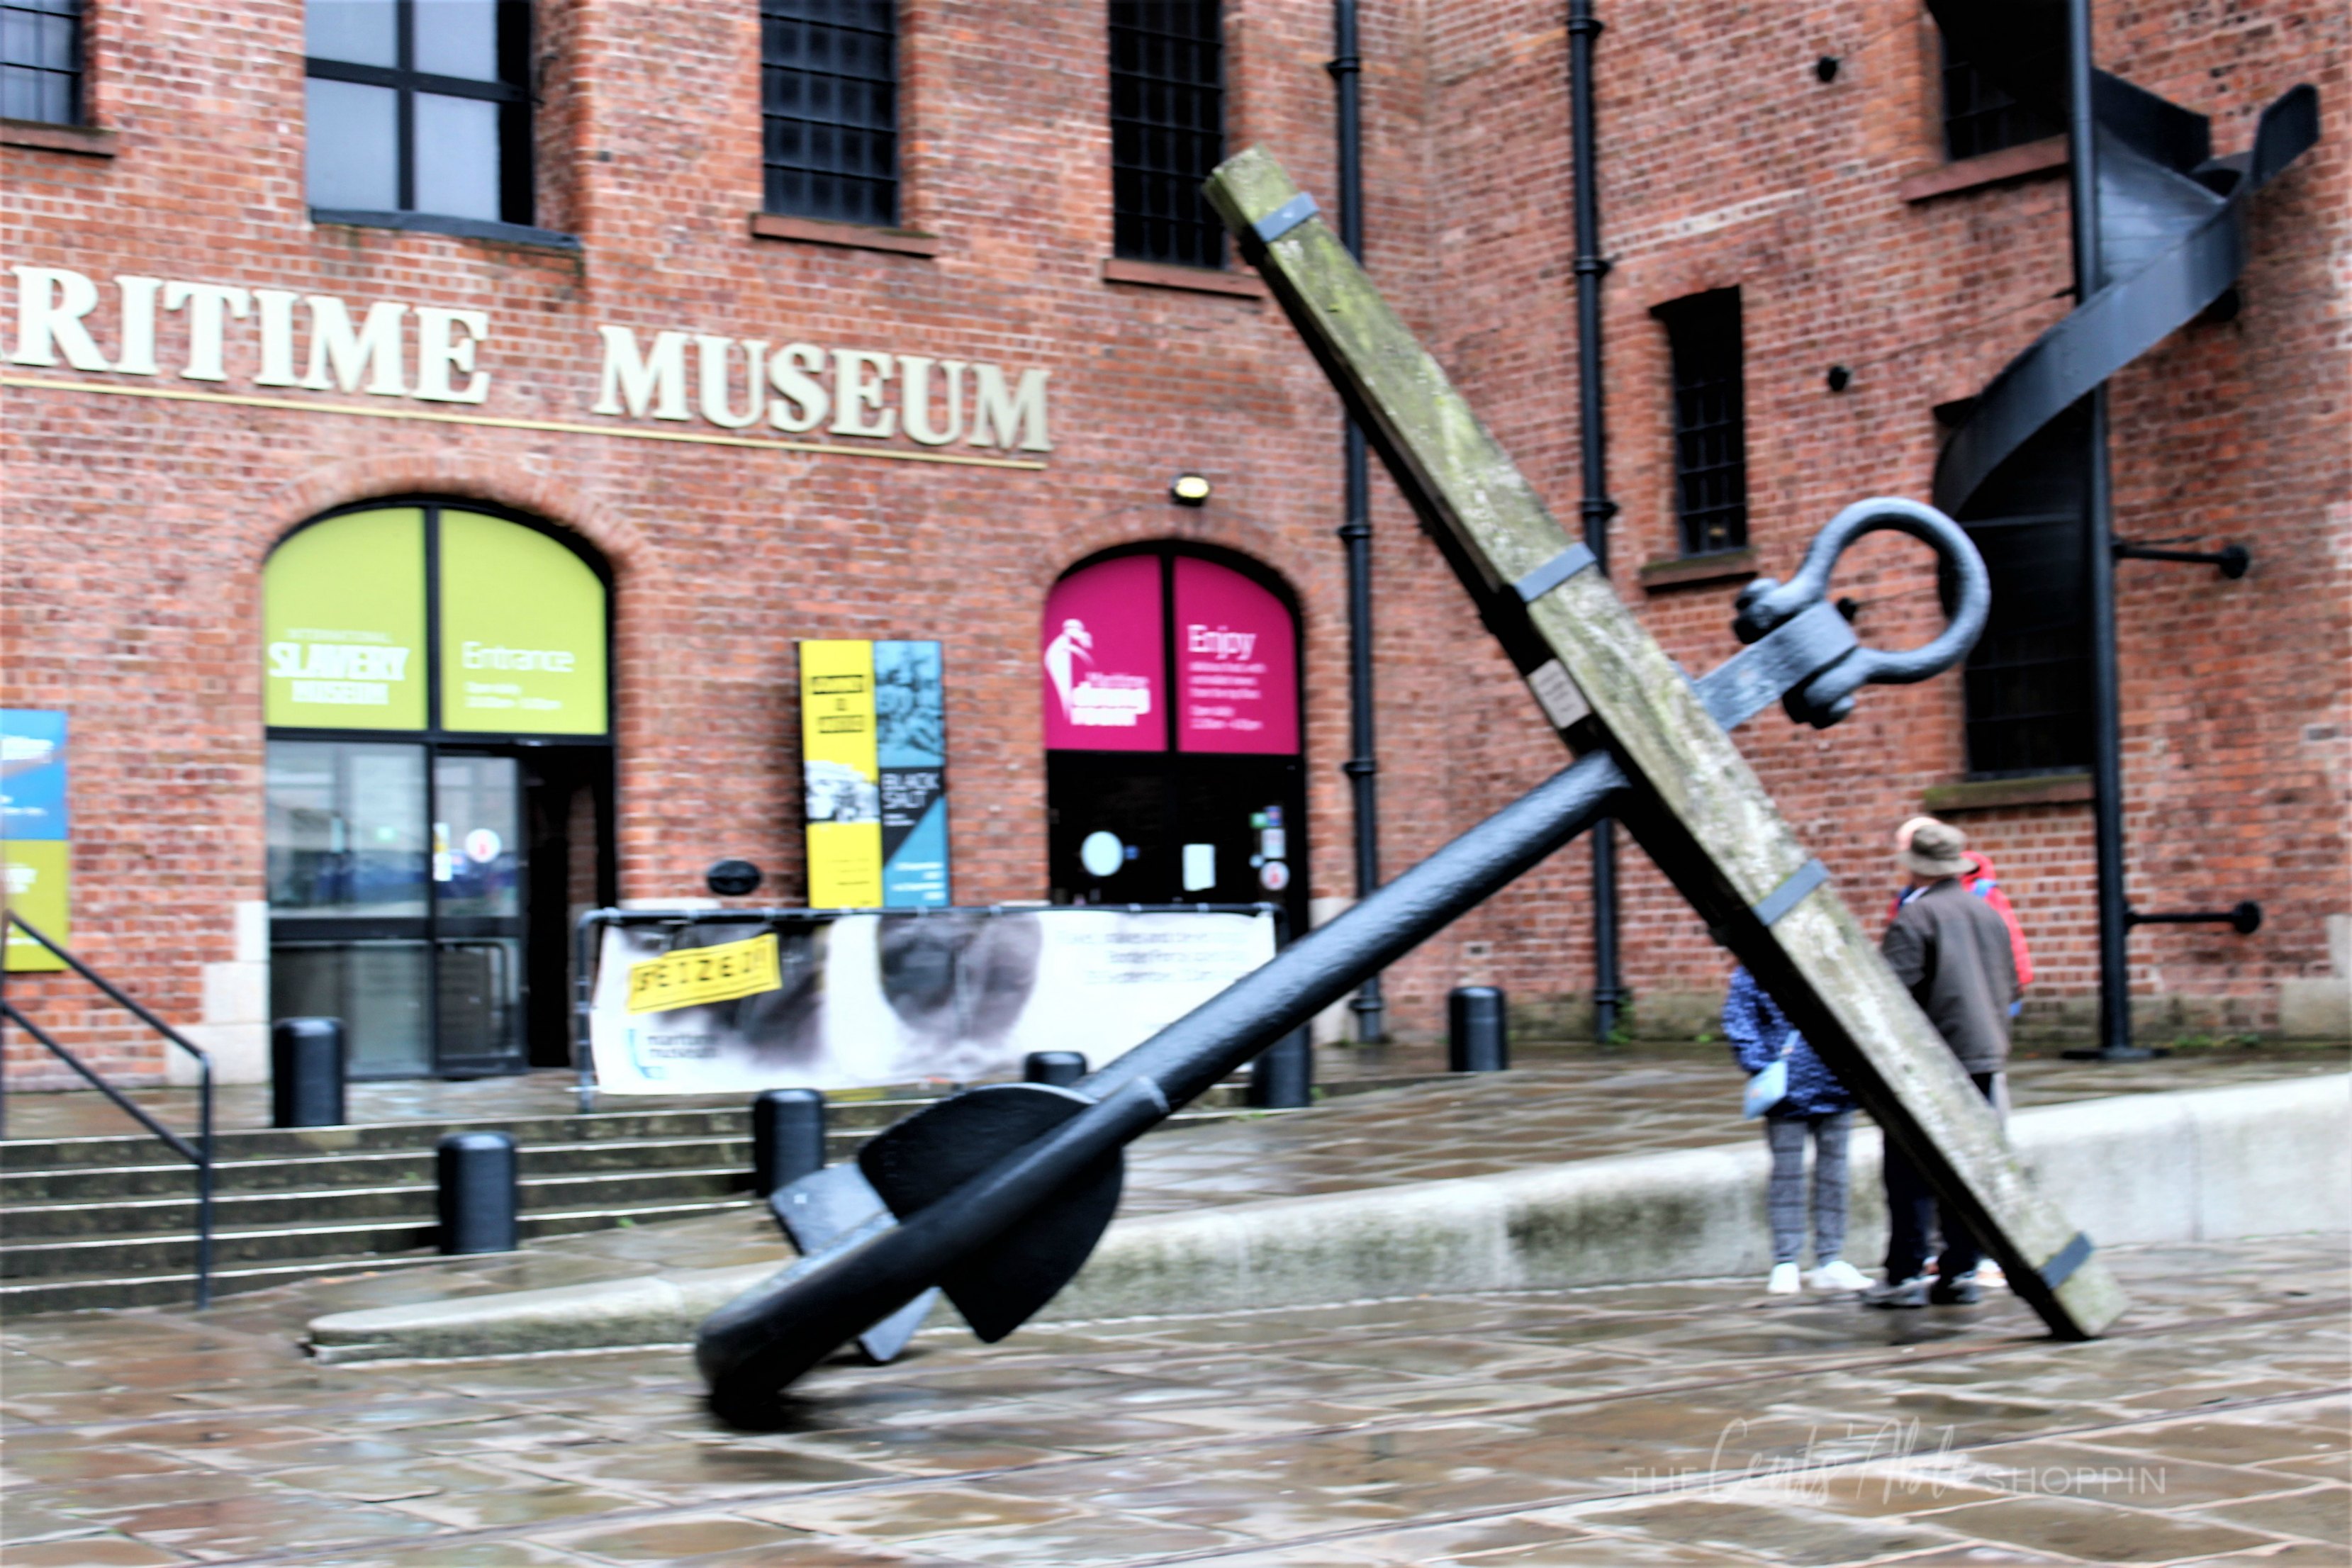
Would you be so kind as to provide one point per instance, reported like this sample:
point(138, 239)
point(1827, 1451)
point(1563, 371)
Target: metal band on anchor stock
point(1786, 897)
point(2070, 1257)
point(1553, 573)
point(1284, 218)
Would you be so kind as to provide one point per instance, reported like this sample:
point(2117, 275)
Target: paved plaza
point(1662, 1424)
point(1696, 1422)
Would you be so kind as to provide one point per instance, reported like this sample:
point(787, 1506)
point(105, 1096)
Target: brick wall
point(137, 528)
point(1726, 161)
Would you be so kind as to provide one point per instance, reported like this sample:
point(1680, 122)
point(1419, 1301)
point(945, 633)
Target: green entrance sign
point(343, 618)
point(522, 631)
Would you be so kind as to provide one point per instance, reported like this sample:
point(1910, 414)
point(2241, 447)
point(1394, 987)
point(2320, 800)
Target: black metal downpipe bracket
point(2231, 561)
point(2245, 918)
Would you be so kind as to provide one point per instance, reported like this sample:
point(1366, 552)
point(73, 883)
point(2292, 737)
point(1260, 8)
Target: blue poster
point(32, 774)
point(911, 734)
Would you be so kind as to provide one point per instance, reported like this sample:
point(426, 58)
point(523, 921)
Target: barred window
point(1710, 421)
point(40, 44)
point(829, 109)
point(419, 106)
point(1167, 130)
point(1978, 117)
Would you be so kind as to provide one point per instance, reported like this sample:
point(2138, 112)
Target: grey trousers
point(1786, 1199)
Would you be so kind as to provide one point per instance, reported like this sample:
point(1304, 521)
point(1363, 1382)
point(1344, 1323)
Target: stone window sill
point(458, 227)
point(1689, 571)
point(1993, 795)
point(89, 141)
point(2018, 162)
point(1197, 279)
point(848, 236)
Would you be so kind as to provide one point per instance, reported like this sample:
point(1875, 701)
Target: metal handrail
point(199, 1154)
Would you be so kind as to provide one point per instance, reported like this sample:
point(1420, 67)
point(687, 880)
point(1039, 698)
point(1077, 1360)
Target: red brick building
point(871, 341)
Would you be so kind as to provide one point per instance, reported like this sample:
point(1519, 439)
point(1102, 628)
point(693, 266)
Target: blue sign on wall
point(32, 774)
point(910, 733)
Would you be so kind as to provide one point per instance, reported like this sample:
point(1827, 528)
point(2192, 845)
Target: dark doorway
point(1174, 772)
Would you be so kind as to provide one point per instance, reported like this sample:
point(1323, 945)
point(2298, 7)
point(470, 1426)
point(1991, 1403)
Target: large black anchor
point(998, 1195)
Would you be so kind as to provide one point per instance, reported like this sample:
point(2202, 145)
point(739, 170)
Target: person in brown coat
point(1953, 951)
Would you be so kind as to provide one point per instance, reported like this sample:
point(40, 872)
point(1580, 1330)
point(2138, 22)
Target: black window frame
point(863, 103)
point(1167, 131)
point(512, 92)
point(76, 75)
point(1704, 338)
point(1979, 117)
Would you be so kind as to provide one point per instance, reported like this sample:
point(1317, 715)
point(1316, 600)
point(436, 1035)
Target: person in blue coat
point(1817, 1106)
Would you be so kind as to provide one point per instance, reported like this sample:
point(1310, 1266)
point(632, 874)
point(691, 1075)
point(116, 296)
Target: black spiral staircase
point(2161, 237)
point(2173, 227)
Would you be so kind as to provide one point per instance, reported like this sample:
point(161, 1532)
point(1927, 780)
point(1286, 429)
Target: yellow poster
point(40, 879)
point(841, 776)
point(695, 976)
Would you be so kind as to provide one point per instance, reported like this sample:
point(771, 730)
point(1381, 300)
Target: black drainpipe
point(1356, 530)
point(1596, 507)
point(2099, 531)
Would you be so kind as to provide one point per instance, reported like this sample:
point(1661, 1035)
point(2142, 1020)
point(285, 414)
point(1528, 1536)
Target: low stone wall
point(2215, 1164)
point(2199, 1165)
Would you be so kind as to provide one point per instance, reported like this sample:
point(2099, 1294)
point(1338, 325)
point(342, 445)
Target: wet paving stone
point(92, 1551)
point(1690, 1423)
point(2096, 1532)
point(2323, 1515)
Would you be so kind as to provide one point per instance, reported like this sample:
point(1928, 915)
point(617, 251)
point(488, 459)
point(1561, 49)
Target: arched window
point(436, 680)
point(1170, 678)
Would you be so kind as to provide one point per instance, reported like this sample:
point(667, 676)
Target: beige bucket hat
point(1934, 848)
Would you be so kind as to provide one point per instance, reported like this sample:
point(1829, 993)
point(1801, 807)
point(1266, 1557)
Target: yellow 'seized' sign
point(694, 975)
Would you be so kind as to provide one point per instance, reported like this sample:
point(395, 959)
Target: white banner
point(858, 1000)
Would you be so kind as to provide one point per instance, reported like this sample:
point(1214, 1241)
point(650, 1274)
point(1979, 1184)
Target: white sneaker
point(1838, 1278)
point(1783, 1281)
point(1989, 1276)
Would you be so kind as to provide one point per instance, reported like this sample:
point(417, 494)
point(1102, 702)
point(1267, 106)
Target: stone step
point(32, 1223)
point(846, 1113)
point(232, 1246)
point(377, 1167)
point(177, 1288)
point(278, 1143)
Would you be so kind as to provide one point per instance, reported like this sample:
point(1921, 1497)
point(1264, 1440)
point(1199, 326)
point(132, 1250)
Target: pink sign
point(1102, 655)
point(1236, 663)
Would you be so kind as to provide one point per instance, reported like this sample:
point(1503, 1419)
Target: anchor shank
point(1319, 968)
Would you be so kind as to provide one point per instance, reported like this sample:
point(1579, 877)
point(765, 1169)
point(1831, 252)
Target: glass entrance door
point(396, 894)
point(349, 901)
point(478, 876)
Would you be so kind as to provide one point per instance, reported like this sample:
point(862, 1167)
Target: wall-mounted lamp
point(1839, 378)
point(733, 878)
point(1188, 489)
point(1825, 69)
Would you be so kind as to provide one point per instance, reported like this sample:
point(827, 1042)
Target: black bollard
point(1060, 1068)
point(478, 1193)
point(1477, 1035)
point(787, 1136)
point(306, 1072)
point(1283, 1076)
